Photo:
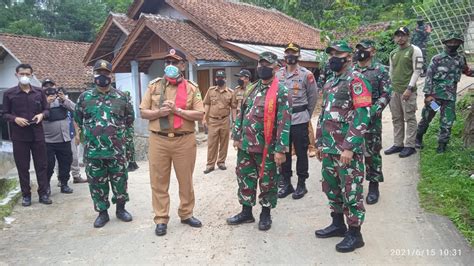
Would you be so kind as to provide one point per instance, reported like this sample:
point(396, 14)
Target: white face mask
point(24, 80)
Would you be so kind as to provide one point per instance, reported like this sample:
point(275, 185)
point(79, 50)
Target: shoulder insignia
point(193, 83)
point(358, 88)
point(155, 81)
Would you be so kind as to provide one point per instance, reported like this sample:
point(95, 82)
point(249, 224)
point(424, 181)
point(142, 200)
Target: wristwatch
point(411, 88)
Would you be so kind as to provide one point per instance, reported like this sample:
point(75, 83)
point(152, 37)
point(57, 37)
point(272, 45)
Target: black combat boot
point(102, 219)
point(441, 147)
point(336, 228)
point(300, 189)
point(245, 216)
point(132, 166)
point(373, 195)
point(419, 141)
point(265, 222)
point(123, 214)
point(286, 189)
point(352, 240)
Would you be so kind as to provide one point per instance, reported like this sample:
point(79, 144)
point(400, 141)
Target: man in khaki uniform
point(218, 105)
point(239, 91)
point(172, 104)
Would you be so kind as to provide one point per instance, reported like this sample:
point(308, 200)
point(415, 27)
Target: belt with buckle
point(172, 134)
point(218, 117)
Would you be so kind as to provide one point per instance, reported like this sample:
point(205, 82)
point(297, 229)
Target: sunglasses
point(171, 62)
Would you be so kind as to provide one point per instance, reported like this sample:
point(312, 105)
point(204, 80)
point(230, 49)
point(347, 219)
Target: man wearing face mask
point(261, 135)
point(218, 106)
point(57, 134)
point(302, 86)
point(378, 77)
point(420, 39)
point(340, 139)
point(406, 63)
point(239, 91)
point(444, 73)
point(172, 104)
point(103, 114)
point(24, 107)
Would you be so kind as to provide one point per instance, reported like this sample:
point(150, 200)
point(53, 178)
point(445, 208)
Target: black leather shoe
point(245, 216)
point(123, 214)
point(407, 151)
point(208, 170)
point(300, 190)
point(393, 149)
point(193, 222)
point(441, 147)
point(222, 167)
point(66, 189)
point(373, 195)
point(26, 201)
point(352, 240)
point(160, 229)
point(265, 222)
point(102, 219)
point(336, 229)
point(285, 191)
point(281, 183)
point(45, 199)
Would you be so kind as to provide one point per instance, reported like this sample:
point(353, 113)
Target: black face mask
point(265, 73)
point(362, 55)
point(336, 63)
point(452, 49)
point(102, 81)
point(291, 59)
point(240, 82)
point(220, 82)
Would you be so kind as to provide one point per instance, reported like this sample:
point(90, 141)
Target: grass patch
point(6, 185)
point(445, 186)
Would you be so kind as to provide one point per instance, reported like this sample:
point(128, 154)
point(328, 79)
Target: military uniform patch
point(358, 89)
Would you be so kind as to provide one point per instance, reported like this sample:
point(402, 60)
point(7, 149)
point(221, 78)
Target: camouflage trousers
point(343, 186)
point(130, 147)
point(373, 146)
point(447, 118)
point(102, 172)
point(247, 170)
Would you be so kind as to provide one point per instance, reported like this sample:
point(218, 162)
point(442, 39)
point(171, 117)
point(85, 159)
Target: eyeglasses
point(171, 62)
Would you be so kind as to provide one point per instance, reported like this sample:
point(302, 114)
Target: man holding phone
point(57, 134)
point(24, 107)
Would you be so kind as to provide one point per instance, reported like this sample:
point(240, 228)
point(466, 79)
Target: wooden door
point(203, 81)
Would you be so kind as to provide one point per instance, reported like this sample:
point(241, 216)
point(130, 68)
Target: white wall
point(7, 72)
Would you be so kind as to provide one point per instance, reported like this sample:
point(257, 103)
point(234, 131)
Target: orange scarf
point(180, 101)
point(269, 119)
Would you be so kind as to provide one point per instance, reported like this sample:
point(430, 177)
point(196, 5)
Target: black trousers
point(22, 151)
point(299, 138)
point(63, 153)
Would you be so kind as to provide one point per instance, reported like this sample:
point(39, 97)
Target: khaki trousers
point(181, 152)
point(217, 141)
point(403, 112)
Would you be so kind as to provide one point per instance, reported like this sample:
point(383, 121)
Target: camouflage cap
point(453, 36)
point(244, 73)
point(268, 56)
point(403, 30)
point(292, 46)
point(419, 18)
point(220, 74)
point(103, 65)
point(340, 46)
point(365, 44)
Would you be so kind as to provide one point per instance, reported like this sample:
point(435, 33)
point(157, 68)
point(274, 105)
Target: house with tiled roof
point(55, 59)
point(214, 35)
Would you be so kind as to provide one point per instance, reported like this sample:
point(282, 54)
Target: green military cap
point(103, 64)
point(419, 18)
point(365, 44)
point(269, 57)
point(453, 36)
point(220, 74)
point(340, 46)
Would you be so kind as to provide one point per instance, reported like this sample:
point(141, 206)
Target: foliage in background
point(77, 20)
point(445, 186)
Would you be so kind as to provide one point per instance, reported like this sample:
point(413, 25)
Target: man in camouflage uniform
point(129, 143)
point(340, 141)
point(239, 91)
point(379, 80)
point(444, 73)
point(302, 86)
point(420, 39)
point(102, 114)
point(261, 134)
